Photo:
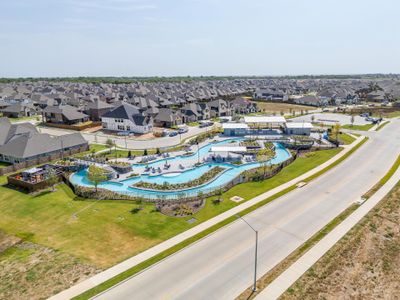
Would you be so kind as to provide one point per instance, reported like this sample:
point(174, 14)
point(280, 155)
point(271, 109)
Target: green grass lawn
point(345, 139)
point(33, 118)
point(3, 164)
point(105, 233)
point(383, 124)
point(365, 127)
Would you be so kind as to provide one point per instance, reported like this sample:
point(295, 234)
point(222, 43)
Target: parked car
point(123, 133)
point(173, 133)
point(206, 124)
point(183, 130)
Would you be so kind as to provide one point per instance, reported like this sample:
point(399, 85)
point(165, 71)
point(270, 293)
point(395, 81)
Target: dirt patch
point(363, 265)
point(30, 271)
point(7, 241)
point(185, 209)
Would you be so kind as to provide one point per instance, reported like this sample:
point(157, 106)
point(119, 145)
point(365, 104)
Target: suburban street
point(221, 266)
point(128, 142)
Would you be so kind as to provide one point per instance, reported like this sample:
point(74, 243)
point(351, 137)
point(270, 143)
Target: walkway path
point(129, 263)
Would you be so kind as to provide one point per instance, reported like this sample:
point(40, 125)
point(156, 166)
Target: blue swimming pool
point(230, 172)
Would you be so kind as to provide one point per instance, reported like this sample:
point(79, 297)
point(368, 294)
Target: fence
point(74, 127)
point(181, 196)
point(42, 160)
point(29, 186)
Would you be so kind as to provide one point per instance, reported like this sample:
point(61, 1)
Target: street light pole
point(198, 153)
point(255, 254)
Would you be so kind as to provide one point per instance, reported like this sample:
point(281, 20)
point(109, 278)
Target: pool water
point(231, 171)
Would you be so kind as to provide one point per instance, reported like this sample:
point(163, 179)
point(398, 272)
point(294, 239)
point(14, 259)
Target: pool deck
point(188, 163)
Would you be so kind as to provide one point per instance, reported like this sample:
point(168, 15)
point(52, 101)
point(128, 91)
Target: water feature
point(231, 171)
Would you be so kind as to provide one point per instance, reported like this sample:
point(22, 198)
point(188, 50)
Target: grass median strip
point(294, 256)
point(365, 127)
point(159, 257)
point(384, 179)
point(382, 125)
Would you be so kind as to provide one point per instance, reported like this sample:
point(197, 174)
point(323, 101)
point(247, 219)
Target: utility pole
point(255, 254)
point(198, 153)
point(62, 148)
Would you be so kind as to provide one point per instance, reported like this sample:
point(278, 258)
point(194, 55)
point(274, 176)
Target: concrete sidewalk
point(129, 263)
point(297, 269)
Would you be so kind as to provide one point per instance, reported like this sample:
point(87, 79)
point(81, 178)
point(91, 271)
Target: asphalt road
point(221, 265)
point(129, 142)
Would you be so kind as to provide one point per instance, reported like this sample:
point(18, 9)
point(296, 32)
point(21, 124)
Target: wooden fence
point(74, 127)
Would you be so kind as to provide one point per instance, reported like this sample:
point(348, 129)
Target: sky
point(54, 38)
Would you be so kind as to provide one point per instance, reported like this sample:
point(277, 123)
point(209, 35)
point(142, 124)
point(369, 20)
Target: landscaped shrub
point(207, 176)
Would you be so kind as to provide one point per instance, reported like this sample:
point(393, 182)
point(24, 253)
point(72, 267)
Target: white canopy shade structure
point(234, 126)
point(264, 120)
point(299, 125)
point(228, 149)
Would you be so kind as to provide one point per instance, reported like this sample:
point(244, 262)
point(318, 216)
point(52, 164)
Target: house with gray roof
point(193, 112)
point(64, 114)
point(22, 142)
point(97, 109)
point(127, 118)
point(18, 110)
point(167, 117)
point(220, 108)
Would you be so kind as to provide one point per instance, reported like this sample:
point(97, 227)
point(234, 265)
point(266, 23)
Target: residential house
point(244, 106)
point(18, 110)
point(220, 108)
point(167, 117)
point(22, 142)
point(311, 100)
point(64, 114)
point(97, 109)
point(128, 118)
point(193, 112)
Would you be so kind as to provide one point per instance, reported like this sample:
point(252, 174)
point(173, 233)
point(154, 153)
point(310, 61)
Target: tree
point(129, 154)
point(96, 175)
point(145, 152)
point(52, 179)
point(336, 131)
point(158, 151)
point(312, 118)
point(109, 144)
point(352, 120)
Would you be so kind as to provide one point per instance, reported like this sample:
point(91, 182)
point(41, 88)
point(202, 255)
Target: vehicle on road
point(182, 130)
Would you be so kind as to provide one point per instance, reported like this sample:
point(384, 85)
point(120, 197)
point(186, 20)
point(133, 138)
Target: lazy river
point(231, 171)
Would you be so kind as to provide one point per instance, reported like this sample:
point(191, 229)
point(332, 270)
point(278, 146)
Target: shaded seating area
point(36, 178)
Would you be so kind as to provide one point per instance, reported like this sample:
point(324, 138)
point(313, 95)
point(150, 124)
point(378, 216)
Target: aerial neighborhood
point(174, 152)
point(199, 150)
point(141, 108)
